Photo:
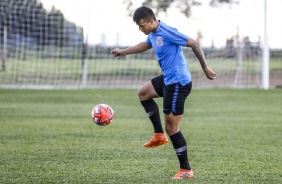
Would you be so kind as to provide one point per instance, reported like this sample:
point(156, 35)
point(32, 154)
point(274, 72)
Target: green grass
point(129, 66)
point(47, 136)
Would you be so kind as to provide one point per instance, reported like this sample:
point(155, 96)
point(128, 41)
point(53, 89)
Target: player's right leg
point(146, 93)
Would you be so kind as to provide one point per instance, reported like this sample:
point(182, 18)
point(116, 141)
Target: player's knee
point(167, 130)
point(170, 130)
point(141, 94)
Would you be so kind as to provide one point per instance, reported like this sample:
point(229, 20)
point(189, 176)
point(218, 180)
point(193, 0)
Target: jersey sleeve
point(148, 41)
point(175, 37)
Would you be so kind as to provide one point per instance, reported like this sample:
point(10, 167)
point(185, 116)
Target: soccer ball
point(102, 114)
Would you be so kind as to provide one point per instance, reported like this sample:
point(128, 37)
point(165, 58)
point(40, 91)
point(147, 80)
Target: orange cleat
point(157, 140)
point(183, 173)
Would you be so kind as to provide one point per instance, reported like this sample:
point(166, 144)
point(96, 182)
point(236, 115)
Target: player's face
point(145, 27)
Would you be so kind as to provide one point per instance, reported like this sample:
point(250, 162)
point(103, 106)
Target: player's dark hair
point(144, 13)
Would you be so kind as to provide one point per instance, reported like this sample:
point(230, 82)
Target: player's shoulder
point(167, 29)
point(166, 26)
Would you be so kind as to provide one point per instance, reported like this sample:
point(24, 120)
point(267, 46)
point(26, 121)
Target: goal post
point(4, 51)
point(265, 58)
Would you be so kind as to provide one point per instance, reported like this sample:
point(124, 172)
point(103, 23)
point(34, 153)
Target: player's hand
point(117, 52)
point(210, 73)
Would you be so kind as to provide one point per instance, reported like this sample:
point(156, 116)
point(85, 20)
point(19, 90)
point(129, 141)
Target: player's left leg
point(174, 99)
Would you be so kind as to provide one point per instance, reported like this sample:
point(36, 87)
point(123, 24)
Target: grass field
point(129, 72)
point(47, 136)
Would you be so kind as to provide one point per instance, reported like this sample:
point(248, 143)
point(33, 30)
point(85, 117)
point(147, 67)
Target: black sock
point(180, 147)
point(152, 111)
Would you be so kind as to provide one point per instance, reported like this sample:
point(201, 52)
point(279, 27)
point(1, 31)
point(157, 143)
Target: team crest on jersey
point(159, 41)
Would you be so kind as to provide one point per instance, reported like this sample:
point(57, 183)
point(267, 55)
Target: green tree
point(183, 5)
point(29, 19)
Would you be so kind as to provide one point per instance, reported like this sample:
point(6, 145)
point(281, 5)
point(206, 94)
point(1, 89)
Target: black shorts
point(174, 95)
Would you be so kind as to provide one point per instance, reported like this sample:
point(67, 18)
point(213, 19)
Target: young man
point(174, 85)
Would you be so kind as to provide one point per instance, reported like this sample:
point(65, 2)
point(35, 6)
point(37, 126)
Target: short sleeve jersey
point(167, 43)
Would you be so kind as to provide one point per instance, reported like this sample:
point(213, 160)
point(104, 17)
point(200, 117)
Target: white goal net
point(41, 49)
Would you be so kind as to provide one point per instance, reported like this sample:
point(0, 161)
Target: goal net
point(41, 49)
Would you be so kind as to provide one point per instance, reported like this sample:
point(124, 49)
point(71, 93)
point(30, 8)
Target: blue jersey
point(167, 43)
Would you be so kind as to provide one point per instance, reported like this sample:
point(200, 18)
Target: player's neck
point(156, 25)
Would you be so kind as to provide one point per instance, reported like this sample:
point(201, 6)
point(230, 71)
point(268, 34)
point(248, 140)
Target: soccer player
point(174, 85)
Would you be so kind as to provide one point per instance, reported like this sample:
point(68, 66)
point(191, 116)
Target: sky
point(106, 21)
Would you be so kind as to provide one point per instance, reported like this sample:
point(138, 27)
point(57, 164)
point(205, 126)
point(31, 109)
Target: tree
point(183, 5)
point(30, 21)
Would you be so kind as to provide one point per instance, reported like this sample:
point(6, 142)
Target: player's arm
point(140, 47)
point(201, 57)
